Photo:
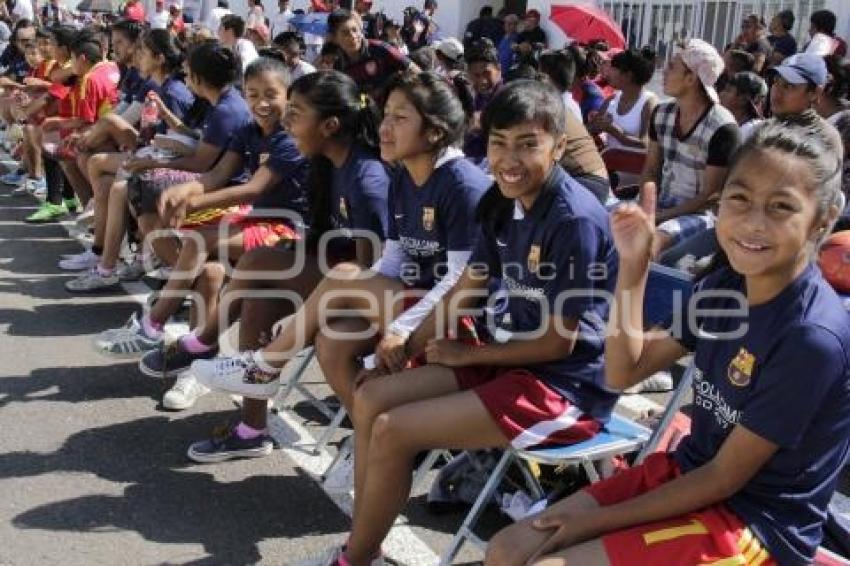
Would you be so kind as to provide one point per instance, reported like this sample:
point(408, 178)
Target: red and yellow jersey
point(96, 92)
point(43, 70)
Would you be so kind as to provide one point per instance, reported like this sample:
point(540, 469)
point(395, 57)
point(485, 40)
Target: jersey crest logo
point(263, 158)
point(534, 258)
point(740, 369)
point(343, 210)
point(371, 68)
point(428, 218)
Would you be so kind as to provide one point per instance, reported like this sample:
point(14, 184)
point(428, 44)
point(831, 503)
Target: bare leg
point(519, 542)
point(347, 287)
point(339, 357)
point(116, 224)
point(208, 285)
point(166, 249)
point(401, 415)
point(101, 171)
point(188, 266)
point(78, 182)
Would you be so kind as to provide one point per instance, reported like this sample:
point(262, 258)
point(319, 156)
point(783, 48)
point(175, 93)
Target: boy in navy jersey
point(771, 421)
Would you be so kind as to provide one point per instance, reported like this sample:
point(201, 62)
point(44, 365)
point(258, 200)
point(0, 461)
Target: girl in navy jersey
point(771, 415)
point(334, 126)
point(225, 219)
point(160, 61)
point(431, 234)
point(546, 238)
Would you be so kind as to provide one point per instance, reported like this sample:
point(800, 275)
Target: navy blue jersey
point(279, 154)
point(223, 120)
point(436, 218)
point(558, 259)
point(781, 372)
point(358, 200)
point(129, 84)
point(177, 98)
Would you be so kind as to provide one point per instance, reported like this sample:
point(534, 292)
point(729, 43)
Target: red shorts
point(528, 411)
point(256, 233)
point(714, 535)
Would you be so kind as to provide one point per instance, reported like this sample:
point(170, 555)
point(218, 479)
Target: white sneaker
point(80, 262)
point(128, 341)
point(184, 393)
point(92, 281)
point(239, 375)
point(86, 216)
point(332, 556)
point(341, 478)
point(659, 382)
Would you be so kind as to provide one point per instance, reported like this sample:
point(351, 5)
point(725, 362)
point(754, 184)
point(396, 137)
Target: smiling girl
point(277, 181)
point(771, 415)
point(543, 235)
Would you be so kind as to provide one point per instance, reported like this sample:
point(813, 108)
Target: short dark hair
point(339, 17)
point(482, 51)
point(130, 29)
point(824, 21)
point(486, 12)
point(525, 101)
point(87, 45)
point(786, 19)
point(742, 60)
point(560, 66)
point(640, 63)
point(213, 64)
point(223, 4)
point(234, 23)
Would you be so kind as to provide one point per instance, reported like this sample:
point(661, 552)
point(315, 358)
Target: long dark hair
point(799, 136)
point(161, 42)
point(332, 94)
point(519, 102)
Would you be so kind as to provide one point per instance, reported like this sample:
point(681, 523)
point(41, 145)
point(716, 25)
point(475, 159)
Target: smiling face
point(485, 76)
point(349, 36)
point(304, 125)
point(521, 158)
point(402, 129)
point(767, 217)
point(265, 94)
point(32, 54)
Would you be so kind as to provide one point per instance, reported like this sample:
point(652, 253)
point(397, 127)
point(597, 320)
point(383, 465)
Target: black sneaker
point(227, 445)
point(171, 360)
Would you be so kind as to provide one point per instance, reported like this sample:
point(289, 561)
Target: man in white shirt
point(230, 34)
point(216, 14)
point(822, 30)
point(158, 19)
point(280, 21)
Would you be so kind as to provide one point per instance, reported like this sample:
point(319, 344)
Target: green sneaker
point(73, 204)
point(47, 212)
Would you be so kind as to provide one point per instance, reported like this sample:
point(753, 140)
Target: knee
point(253, 260)
point(213, 274)
point(501, 550)
point(365, 406)
point(343, 273)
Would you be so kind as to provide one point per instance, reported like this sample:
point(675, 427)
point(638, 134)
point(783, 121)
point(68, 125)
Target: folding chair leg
point(332, 427)
point(296, 376)
point(531, 482)
point(346, 448)
point(590, 470)
point(426, 466)
point(465, 532)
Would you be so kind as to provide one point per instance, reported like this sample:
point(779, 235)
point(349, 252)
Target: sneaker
point(36, 187)
point(335, 557)
point(92, 281)
point(171, 360)
point(81, 262)
point(46, 213)
point(660, 382)
point(74, 204)
point(227, 445)
point(13, 178)
point(183, 394)
point(127, 342)
point(341, 478)
point(132, 271)
point(238, 375)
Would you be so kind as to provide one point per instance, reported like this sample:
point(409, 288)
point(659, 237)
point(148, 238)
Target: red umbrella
point(587, 23)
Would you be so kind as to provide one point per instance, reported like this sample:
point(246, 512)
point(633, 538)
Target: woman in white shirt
point(624, 118)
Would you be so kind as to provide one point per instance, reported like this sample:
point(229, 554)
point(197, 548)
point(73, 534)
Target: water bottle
point(149, 122)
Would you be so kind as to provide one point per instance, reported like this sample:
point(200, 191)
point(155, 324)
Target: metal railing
point(661, 23)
